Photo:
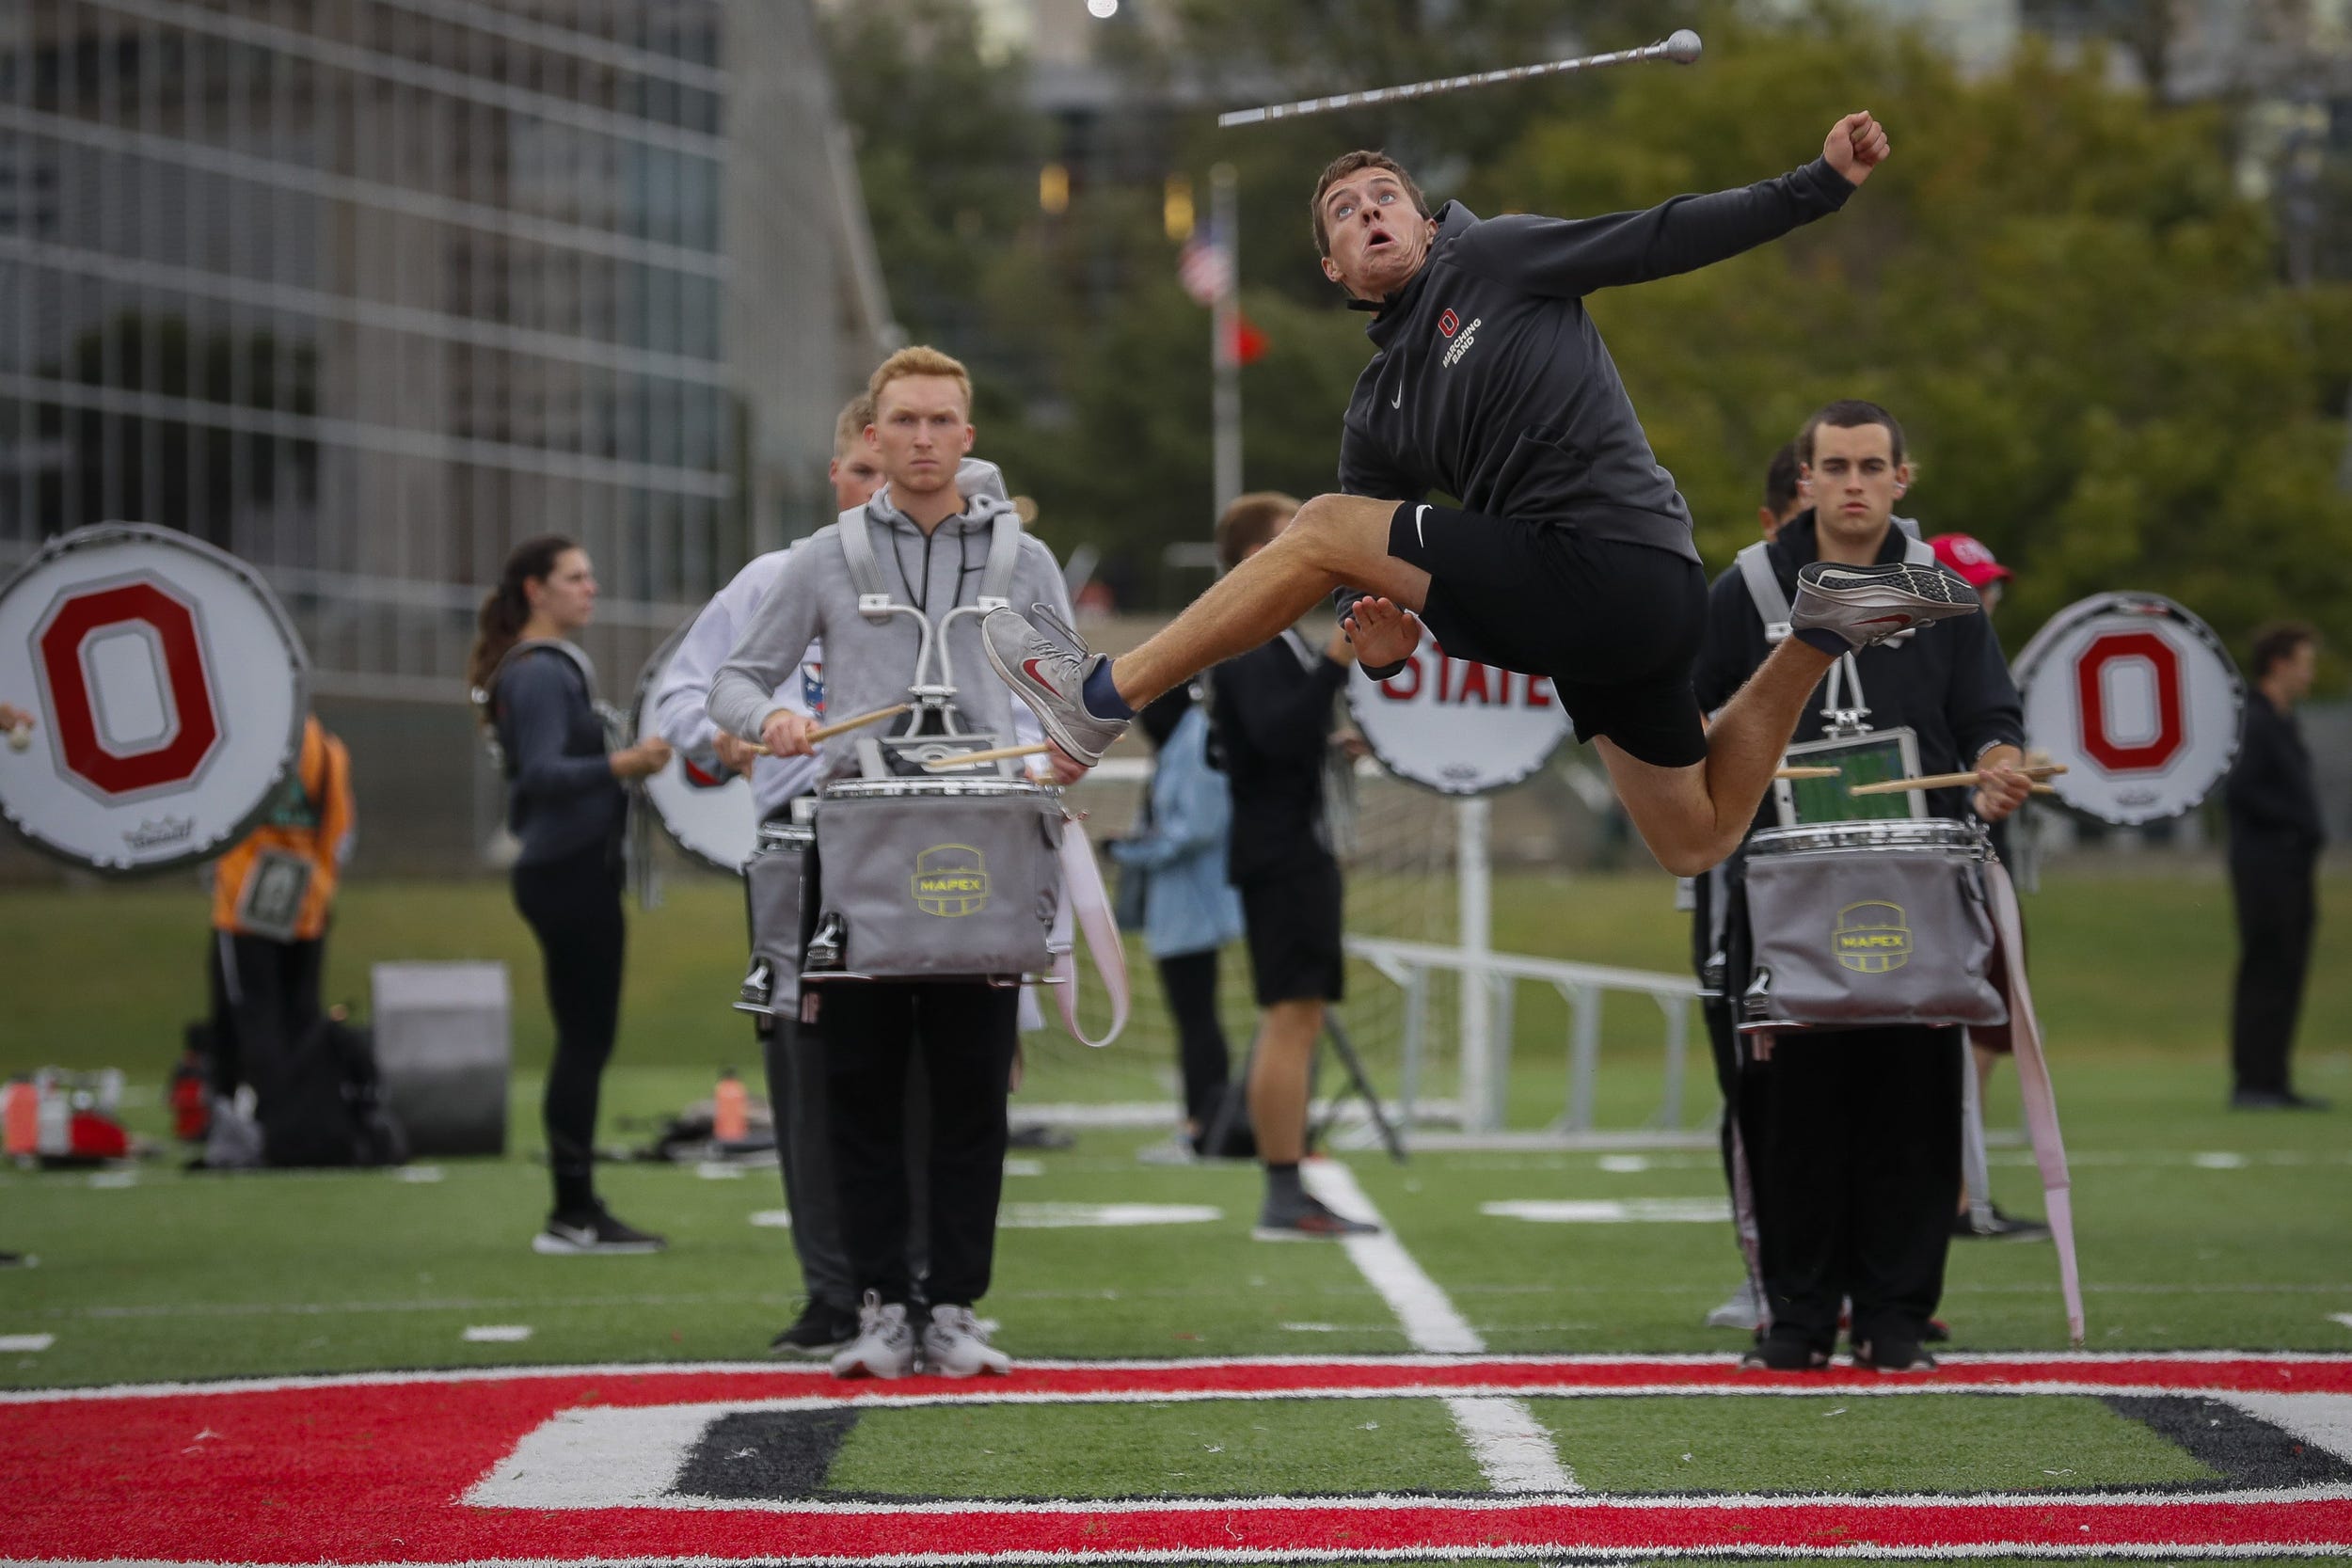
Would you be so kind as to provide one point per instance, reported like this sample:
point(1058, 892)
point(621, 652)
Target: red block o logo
point(2164, 663)
point(182, 753)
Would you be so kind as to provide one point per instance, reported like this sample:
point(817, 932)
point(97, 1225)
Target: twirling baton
point(1682, 48)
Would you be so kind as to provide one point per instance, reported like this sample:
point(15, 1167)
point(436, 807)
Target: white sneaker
point(1743, 1311)
point(955, 1344)
point(884, 1346)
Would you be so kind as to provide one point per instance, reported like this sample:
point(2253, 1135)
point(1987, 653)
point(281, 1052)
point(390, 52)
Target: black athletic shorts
point(1292, 921)
point(1615, 625)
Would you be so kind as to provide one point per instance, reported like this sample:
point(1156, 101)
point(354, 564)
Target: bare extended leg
point(1692, 817)
point(1277, 1079)
point(1334, 540)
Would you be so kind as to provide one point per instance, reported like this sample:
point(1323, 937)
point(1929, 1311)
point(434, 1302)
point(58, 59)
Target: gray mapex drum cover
point(940, 879)
point(1864, 923)
point(774, 879)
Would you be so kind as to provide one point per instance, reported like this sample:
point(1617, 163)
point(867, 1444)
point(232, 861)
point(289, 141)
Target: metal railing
point(1486, 1062)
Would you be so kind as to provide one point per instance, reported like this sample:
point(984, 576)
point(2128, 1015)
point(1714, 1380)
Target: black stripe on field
point(2247, 1451)
point(761, 1455)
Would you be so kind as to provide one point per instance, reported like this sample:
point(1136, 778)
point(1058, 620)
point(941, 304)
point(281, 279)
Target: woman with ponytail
point(566, 804)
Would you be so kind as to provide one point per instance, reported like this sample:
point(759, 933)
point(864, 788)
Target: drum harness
point(936, 732)
point(637, 834)
point(1845, 720)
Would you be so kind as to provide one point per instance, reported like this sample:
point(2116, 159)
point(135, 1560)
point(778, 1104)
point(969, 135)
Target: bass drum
point(715, 820)
point(169, 689)
point(2141, 701)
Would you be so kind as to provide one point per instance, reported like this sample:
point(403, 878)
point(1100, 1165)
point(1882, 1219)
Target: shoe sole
point(555, 1247)
point(1055, 729)
point(856, 1369)
point(1907, 586)
point(1285, 1233)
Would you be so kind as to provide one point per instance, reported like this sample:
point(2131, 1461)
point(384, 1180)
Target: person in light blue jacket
point(1190, 910)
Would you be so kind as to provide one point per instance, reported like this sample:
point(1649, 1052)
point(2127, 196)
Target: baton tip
point(1683, 46)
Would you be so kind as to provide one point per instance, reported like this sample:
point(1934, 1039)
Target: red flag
point(1249, 344)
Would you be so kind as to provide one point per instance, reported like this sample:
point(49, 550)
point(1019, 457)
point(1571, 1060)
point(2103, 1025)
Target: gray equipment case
point(940, 879)
point(1869, 923)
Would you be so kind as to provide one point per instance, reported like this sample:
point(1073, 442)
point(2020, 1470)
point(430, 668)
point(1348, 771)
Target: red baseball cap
point(1964, 553)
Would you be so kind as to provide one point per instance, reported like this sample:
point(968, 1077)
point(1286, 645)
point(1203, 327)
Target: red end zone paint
point(358, 1472)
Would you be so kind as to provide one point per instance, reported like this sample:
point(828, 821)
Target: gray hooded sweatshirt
point(869, 664)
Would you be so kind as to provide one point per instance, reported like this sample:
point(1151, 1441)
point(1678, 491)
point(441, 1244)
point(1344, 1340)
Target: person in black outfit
point(1565, 550)
point(1270, 717)
point(2275, 836)
point(566, 803)
point(1857, 1160)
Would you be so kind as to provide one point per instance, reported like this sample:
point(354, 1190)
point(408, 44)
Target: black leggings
point(1190, 981)
point(574, 907)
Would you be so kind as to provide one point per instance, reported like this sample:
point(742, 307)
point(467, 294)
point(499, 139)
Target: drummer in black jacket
point(1856, 1163)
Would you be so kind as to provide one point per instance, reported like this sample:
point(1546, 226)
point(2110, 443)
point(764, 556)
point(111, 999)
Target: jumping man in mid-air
point(1571, 556)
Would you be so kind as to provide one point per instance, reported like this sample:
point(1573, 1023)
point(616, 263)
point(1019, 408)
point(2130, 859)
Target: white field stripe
point(18, 1343)
point(2343, 1318)
point(497, 1334)
point(1514, 1449)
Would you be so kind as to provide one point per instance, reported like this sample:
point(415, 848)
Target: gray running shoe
point(884, 1346)
point(1047, 668)
point(1868, 604)
point(1743, 1311)
point(1309, 1220)
point(955, 1344)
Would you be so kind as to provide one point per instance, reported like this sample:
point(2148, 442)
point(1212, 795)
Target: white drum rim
point(1932, 834)
point(657, 663)
point(900, 788)
point(112, 532)
point(2038, 649)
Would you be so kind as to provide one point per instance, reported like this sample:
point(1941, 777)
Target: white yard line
point(2343, 1318)
point(497, 1334)
point(1514, 1449)
point(14, 1344)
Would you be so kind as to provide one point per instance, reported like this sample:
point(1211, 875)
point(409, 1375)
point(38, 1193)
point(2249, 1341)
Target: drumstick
point(995, 754)
point(1805, 773)
point(826, 732)
point(1950, 780)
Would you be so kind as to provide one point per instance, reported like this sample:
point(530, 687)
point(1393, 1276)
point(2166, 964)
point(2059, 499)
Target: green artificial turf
point(1254, 1448)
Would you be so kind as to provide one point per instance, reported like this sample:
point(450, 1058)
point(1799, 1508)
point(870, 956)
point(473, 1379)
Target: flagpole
point(1225, 337)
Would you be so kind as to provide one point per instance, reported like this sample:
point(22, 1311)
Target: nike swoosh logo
point(1398, 401)
point(577, 1235)
point(1418, 515)
point(1029, 667)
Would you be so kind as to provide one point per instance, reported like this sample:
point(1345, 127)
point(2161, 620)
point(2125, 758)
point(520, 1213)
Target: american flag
point(1206, 267)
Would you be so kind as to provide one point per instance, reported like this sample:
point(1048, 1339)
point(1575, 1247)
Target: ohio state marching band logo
point(118, 640)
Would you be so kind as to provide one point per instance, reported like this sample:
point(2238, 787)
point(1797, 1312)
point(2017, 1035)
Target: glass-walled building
point(366, 291)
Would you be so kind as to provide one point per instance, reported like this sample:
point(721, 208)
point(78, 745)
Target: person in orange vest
point(272, 897)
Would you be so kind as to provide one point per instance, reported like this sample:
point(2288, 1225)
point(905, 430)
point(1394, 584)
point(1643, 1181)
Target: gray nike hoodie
point(868, 664)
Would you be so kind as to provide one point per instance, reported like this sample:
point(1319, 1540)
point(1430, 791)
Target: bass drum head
point(169, 691)
point(2139, 699)
point(714, 820)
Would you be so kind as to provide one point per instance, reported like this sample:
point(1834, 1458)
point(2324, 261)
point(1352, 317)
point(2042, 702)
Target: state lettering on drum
point(1455, 726)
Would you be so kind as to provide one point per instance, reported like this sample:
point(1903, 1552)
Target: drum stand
point(1359, 1084)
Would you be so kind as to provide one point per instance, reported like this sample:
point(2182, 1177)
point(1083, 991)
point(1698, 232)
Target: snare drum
point(937, 878)
point(774, 880)
point(1870, 923)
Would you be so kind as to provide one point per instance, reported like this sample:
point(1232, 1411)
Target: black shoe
point(1892, 1356)
point(2007, 1228)
point(1307, 1221)
point(1039, 1136)
point(1773, 1355)
point(16, 1260)
point(592, 1230)
point(819, 1330)
point(2275, 1099)
point(1938, 1332)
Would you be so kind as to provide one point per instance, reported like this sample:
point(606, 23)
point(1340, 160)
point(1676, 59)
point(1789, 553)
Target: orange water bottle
point(730, 1109)
point(19, 1118)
